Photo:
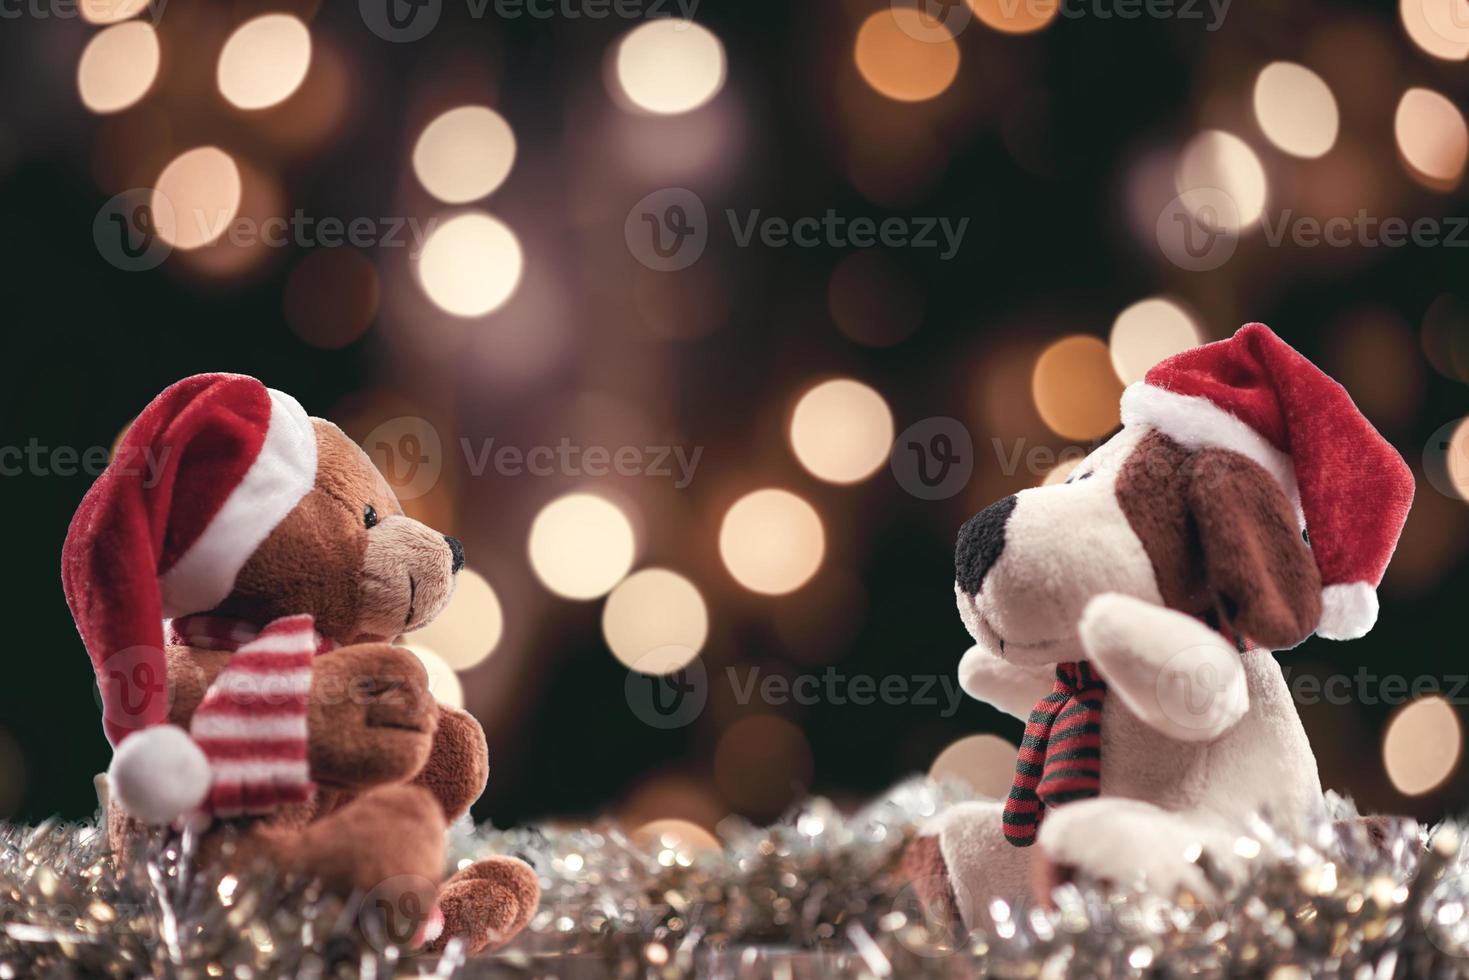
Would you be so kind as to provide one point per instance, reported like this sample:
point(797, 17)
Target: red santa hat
point(202, 476)
point(1257, 395)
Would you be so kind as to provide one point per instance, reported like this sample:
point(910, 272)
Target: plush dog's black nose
point(981, 540)
point(457, 550)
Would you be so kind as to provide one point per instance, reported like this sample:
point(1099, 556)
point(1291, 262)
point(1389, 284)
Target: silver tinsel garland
point(818, 894)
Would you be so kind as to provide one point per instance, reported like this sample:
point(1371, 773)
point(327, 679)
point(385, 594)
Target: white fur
point(1195, 422)
point(1347, 611)
point(1195, 736)
point(1014, 690)
point(282, 473)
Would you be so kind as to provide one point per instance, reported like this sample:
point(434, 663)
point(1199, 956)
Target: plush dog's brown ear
point(1260, 571)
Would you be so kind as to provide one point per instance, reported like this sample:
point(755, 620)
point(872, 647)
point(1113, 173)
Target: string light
point(264, 61)
point(1432, 138)
point(1214, 162)
point(669, 66)
point(470, 265)
point(118, 67)
point(762, 763)
point(464, 154)
point(655, 621)
point(196, 197)
point(1016, 16)
point(1422, 746)
point(1296, 109)
point(985, 763)
point(1147, 332)
point(1076, 389)
point(1439, 27)
point(581, 545)
point(443, 683)
point(906, 56)
point(111, 11)
point(841, 431)
point(470, 627)
point(772, 541)
point(331, 297)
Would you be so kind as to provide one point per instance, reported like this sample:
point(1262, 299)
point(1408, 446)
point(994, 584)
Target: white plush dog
point(1168, 566)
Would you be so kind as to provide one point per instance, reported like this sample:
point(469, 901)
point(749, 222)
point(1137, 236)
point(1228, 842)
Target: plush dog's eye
point(1078, 479)
point(369, 516)
point(1306, 536)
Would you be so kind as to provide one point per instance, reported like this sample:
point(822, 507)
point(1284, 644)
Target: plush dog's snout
point(457, 551)
point(981, 540)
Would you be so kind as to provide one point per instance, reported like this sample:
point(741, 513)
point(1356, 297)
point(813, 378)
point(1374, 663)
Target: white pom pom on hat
point(159, 775)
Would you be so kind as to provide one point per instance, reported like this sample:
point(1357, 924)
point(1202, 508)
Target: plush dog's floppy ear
point(1262, 575)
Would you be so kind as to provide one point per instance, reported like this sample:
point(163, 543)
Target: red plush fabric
point(171, 473)
point(1355, 489)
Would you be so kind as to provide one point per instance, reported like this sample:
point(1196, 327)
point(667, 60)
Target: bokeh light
point(1376, 358)
point(470, 265)
point(675, 842)
point(1015, 16)
point(1432, 138)
point(1296, 109)
point(899, 56)
point(985, 763)
point(1445, 336)
point(196, 197)
point(1217, 162)
point(118, 67)
point(443, 683)
point(331, 297)
point(762, 764)
point(1422, 746)
point(1147, 332)
point(1076, 389)
point(264, 61)
point(111, 11)
point(470, 627)
point(871, 301)
point(669, 65)
point(1439, 27)
point(581, 545)
point(655, 621)
point(1456, 460)
point(464, 154)
point(772, 541)
point(842, 431)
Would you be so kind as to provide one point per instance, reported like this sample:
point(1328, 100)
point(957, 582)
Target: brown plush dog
point(362, 798)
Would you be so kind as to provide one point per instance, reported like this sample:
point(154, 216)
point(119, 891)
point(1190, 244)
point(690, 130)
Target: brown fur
point(393, 767)
point(1222, 539)
point(924, 869)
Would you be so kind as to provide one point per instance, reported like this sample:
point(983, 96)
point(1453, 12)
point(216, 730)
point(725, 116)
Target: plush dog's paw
point(486, 904)
point(1180, 677)
point(1128, 843)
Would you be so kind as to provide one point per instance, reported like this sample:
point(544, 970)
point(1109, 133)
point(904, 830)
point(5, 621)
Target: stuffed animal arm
point(1172, 671)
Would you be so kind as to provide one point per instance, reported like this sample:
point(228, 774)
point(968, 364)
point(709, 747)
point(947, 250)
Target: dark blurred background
point(1135, 178)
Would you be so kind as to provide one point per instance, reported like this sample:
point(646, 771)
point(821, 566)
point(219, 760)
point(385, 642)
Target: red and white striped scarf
point(1061, 754)
point(251, 724)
